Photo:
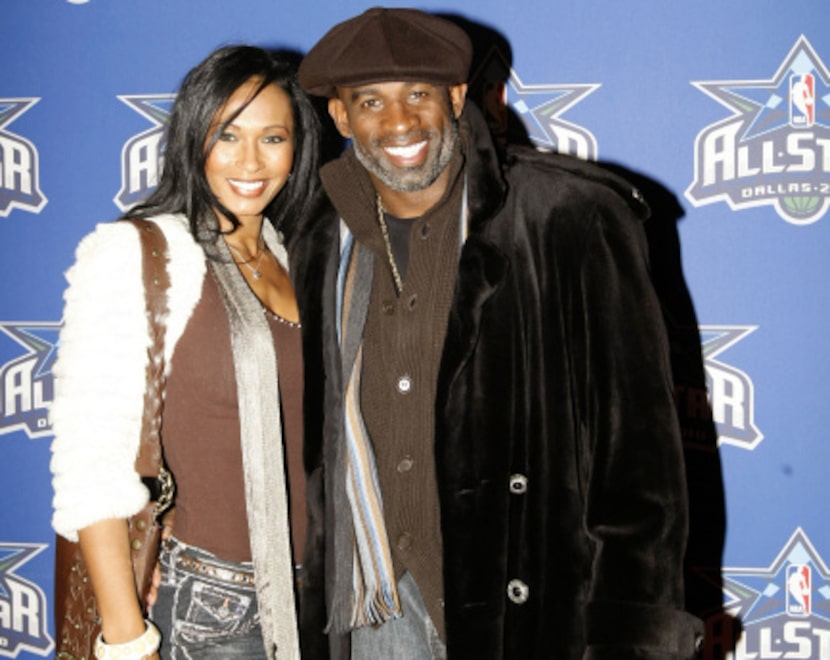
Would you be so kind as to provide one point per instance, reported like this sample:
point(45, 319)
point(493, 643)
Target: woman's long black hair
point(183, 186)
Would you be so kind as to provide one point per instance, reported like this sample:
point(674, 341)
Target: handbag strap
point(149, 462)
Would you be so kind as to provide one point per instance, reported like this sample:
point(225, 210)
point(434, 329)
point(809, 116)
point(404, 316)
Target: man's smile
point(407, 152)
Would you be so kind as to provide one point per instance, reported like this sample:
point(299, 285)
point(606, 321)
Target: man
point(501, 469)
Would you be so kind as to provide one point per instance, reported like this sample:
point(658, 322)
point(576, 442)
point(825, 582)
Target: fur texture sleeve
point(100, 369)
point(99, 383)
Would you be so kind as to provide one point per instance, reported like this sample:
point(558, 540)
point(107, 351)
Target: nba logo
point(802, 100)
point(799, 590)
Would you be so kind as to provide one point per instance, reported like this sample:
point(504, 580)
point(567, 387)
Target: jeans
point(412, 637)
point(202, 616)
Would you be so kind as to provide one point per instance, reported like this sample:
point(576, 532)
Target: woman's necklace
point(385, 231)
point(260, 252)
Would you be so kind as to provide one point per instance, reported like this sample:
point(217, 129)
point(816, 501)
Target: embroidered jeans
point(412, 637)
point(203, 611)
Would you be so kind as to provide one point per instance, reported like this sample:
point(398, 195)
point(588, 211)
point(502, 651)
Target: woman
point(239, 175)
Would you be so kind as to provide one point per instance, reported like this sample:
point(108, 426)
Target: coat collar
point(486, 185)
point(482, 266)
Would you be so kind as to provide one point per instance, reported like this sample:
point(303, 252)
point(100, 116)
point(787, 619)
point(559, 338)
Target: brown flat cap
point(387, 45)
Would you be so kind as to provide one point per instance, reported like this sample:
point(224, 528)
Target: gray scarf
point(262, 451)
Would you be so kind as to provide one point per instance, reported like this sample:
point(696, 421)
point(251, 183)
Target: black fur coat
point(557, 450)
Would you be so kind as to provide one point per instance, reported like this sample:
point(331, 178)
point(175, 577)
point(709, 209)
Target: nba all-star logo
point(26, 383)
point(731, 392)
point(23, 610)
point(499, 91)
point(774, 149)
point(19, 170)
point(784, 609)
point(142, 156)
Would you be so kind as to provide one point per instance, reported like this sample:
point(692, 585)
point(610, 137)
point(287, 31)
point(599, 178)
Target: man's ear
point(337, 111)
point(458, 95)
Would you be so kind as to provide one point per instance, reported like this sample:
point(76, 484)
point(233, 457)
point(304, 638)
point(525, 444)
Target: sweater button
point(388, 307)
point(404, 541)
point(406, 464)
point(404, 384)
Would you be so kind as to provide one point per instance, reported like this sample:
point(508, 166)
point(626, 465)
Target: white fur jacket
point(100, 369)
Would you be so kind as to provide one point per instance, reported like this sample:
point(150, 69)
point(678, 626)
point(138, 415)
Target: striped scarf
point(374, 593)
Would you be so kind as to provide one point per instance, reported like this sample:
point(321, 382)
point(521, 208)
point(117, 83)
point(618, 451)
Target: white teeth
point(248, 186)
point(408, 151)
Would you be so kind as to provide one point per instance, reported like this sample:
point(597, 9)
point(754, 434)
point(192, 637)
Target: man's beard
point(416, 178)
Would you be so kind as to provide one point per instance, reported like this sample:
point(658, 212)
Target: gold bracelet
point(136, 649)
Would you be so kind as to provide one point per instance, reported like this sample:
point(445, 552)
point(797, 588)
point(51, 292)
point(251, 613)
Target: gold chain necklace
point(383, 230)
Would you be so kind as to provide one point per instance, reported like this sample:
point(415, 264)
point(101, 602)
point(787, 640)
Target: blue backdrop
point(719, 110)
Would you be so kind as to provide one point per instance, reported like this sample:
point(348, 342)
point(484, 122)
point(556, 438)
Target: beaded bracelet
point(136, 649)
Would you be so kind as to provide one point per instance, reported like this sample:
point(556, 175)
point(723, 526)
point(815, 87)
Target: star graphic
point(23, 626)
point(155, 107)
point(12, 556)
point(143, 154)
point(758, 594)
point(735, 424)
point(26, 381)
point(40, 339)
point(539, 107)
point(764, 104)
point(716, 339)
point(11, 109)
point(19, 150)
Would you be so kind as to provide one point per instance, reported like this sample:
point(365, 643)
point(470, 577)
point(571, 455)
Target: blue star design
point(11, 109)
point(764, 104)
point(538, 114)
point(40, 339)
point(34, 635)
point(12, 556)
point(716, 339)
point(756, 594)
point(155, 107)
point(539, 107)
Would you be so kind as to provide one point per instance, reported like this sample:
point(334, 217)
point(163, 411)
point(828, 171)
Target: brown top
point(288, 344)
point(200, 431)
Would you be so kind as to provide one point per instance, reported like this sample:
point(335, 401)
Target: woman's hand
point(105, 546)
point(151, 596)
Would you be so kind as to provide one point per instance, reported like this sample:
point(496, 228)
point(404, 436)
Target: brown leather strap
point(76, 616)
point(149, 462)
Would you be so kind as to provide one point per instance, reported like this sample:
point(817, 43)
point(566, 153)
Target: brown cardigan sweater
point(402, 340)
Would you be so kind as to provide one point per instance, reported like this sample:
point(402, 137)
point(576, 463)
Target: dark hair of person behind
point(183, 186)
